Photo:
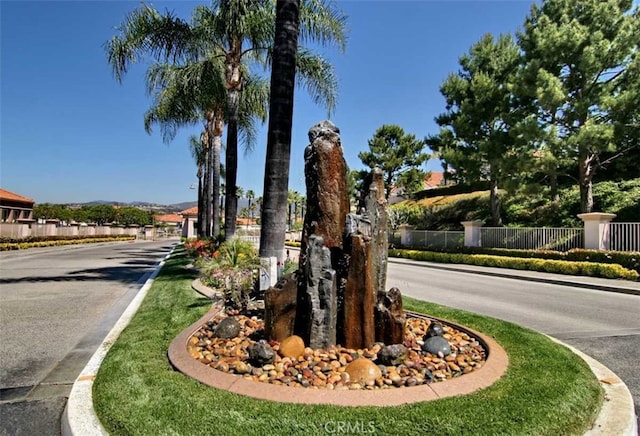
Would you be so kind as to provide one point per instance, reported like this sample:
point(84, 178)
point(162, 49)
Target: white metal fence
point(624, 236)
point(436, 239)
point(532, 238)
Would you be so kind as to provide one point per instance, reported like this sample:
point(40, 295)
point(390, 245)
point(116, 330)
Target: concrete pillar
point(50, 227)
point(596, 230)
point(472, 233)
point(74, 229)
point(406, 234)
point(268, 272)
point(91, 229)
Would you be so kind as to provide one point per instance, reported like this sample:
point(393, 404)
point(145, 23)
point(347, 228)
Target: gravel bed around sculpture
point(431, 352)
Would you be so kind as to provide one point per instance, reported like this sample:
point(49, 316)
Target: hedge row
point(590, 268)
point(629, 260)
point(7, 246)
point(7, 240)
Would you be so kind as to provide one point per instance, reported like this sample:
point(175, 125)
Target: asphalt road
point(56, 306)
point(605, 325)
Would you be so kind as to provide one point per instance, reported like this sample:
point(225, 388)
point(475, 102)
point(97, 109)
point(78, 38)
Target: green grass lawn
point(546, 389)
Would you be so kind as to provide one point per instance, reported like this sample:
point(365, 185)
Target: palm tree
point(293, 19)
point(185, 95)
point(251, 195)
point(200, 155)
point(239, 31)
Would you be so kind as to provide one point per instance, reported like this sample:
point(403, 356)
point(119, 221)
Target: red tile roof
point(434, 179)
point(169, 218)
point(190, 211)
point(6, 195)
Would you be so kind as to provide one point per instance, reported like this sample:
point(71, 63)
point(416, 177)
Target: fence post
point(406, 235)
point(596, 230)
point(472, 233)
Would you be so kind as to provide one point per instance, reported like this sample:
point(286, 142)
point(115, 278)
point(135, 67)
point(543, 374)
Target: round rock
point(363, 371)
point(292, 346)
point(261, 353)
point(392, 354)
point(434, 329)
point(227, 328)
point(437, 344)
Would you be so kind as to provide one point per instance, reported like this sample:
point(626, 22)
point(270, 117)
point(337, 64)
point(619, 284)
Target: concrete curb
point(617, 414)
point(79, 417)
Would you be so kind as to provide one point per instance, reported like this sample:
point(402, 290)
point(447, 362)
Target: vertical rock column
point(359, 296)
point(327, 208)
point(375, 205)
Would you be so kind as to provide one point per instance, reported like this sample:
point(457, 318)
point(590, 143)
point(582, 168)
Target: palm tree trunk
point(207, 186)
point(276, 177)
point(231, 163)
point(200, 207)
point(216, 125)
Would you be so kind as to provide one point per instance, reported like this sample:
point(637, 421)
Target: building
point(15, 208)
point(190, 222)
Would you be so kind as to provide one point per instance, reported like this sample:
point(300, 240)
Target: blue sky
point(69, 133)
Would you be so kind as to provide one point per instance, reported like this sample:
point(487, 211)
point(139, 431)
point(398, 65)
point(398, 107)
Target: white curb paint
point(79, 417)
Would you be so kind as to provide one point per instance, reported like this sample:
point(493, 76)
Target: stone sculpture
point(340, 284)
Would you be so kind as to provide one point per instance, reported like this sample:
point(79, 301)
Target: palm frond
point(317, 75)
point(147, 32)
point(322, 22)
point(254, 108)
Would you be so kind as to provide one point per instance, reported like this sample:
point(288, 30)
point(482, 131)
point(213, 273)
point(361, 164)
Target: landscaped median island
point(7, 244)
point(546, 389)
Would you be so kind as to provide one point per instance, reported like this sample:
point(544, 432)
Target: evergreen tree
point(400, 157)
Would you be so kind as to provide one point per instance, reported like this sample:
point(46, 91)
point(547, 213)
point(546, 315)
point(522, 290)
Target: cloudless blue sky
point(70, 133)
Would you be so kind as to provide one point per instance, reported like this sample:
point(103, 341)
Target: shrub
point(233, 269)
point(200, 248)
point(594, 269)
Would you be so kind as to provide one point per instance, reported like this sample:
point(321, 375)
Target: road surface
point(56, 306)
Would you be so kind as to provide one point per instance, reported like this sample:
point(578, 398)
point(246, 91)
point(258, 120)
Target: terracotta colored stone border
point(495, 366)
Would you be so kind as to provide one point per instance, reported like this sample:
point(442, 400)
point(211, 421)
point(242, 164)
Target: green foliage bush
point(233, 269)
point(60, 240)
point(593, 269)
point(444, 212)
point(529, 207)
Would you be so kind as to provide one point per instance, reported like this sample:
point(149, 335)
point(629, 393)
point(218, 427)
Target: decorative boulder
point(292, 346)
point(392, 354)
point(261, 353)
point(363, 371)
point(434, 329)
point(227, 328)
point(436, 345)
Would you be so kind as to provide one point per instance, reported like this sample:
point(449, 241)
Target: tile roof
point(169, 218)
point(190, 211)
point(434, 179)
point(7, 195)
